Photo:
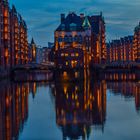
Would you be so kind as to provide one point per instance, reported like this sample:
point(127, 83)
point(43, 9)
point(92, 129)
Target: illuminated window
point(66, 54)
point(77, 54)
point(6, 36)
point(73, 63)
point(89, 57)
point(62, 54)
point(5, 21)
point(76, 74)
point(65, 74)
point(6, 13)
point(5, 29)
point(67, 63)
point(6, 53)
point(72, 54)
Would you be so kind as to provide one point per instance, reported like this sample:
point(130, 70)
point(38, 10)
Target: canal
point(77, 110)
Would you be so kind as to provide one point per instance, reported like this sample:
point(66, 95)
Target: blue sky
point(43, 16)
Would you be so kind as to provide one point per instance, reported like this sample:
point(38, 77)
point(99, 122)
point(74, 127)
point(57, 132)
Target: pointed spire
point(32, 41)
point(14, 9)
point(137, 28)
point(101, 13)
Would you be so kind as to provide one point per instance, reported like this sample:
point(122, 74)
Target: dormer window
point(73, 27)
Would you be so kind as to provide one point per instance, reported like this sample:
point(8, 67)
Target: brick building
point(136, 43)
point(13, 37)
point(121, 50)
point(80, 35)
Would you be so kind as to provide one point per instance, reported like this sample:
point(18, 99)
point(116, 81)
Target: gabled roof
point(71, 20)
point(81, 23)
point(14, 9)
point(86, 23)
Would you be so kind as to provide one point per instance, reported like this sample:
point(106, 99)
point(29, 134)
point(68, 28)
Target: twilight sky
point(43, 16)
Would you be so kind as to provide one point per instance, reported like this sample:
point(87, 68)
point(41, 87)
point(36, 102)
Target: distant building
point(52, 54)
point(23, 41)
point(32, 51)
point(45, 54)
point(1, 37)
point(50, 44)
point(5, 34)
point(121, 50)
point(136, 43)
point(80, 41)
point(125, 49)
point(13, 37)
point(38, 54)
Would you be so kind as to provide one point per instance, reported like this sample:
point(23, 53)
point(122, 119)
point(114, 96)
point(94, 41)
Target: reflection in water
point(79, 105)
point(121, 76)
point(128, 89)
point(13, 109)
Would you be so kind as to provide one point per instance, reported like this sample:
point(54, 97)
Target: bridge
point(125, 65)
point(45, 71)
point(51, 66)
point(33, 72)
point(34, 66)
point(118, 65)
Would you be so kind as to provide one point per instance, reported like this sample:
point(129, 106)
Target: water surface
point(89, 109)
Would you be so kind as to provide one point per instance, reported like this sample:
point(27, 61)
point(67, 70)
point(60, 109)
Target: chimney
point(82, 15)
point(62, 18)
point(101, 14)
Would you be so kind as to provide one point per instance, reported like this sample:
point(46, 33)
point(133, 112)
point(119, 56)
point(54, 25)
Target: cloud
point(43, 16)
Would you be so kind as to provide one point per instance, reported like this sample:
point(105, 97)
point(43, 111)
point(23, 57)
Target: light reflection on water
point(89, 109)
